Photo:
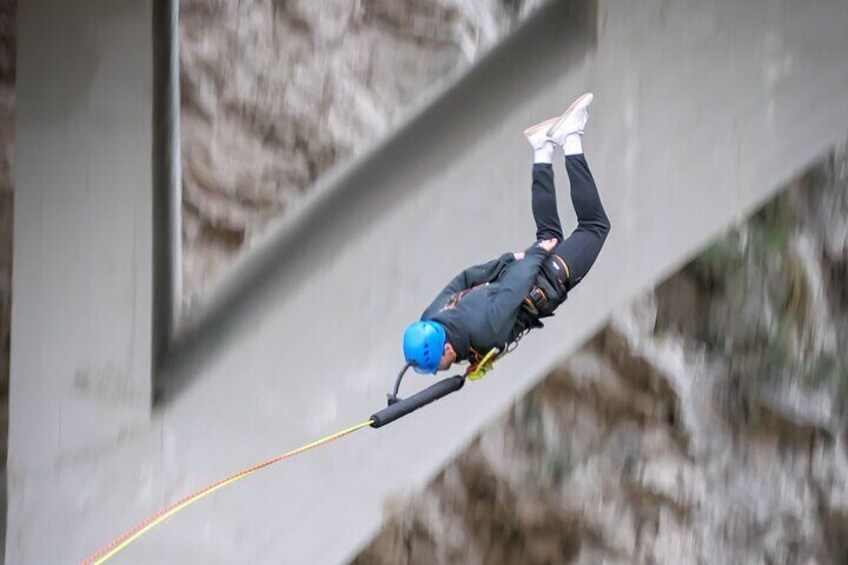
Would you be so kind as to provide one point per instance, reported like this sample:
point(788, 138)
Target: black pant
point(581, 248)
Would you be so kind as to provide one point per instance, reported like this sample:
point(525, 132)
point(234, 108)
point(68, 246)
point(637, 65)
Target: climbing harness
point(549, 291)
point(397, 408)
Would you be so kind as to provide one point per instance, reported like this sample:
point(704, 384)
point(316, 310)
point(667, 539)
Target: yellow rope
point(142, 528)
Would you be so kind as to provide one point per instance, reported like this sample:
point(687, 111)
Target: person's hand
point(548, 244)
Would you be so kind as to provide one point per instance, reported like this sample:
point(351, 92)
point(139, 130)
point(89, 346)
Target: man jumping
point(492, 305)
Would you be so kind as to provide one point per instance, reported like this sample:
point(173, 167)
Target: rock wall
point(275, 92)
point(707, 424)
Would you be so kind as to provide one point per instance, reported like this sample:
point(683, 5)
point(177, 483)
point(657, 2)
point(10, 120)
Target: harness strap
point(564, 266)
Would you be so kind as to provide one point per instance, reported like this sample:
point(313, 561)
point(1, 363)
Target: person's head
point(426, 348)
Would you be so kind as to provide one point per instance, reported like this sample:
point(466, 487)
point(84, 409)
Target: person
point(494, 304)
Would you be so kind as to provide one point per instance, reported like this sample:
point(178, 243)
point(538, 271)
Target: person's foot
point(543, 147)
point(537, 134)
point(569, 127)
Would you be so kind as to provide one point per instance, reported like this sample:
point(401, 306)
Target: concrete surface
point(81, 312)
point(701, 112)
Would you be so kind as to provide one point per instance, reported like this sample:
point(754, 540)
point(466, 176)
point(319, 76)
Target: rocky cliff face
point(275, 92)
point(706, 424)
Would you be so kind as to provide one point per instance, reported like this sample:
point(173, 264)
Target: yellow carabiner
point(484, 366)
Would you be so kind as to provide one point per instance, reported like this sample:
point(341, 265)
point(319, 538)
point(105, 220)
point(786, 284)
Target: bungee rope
point(397, 408)
point(119, 543)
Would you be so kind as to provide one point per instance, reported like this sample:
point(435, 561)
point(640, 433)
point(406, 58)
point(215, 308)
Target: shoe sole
point(541, 125)
point(570, 109)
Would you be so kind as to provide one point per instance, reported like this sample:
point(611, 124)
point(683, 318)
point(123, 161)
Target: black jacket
point(486, 314)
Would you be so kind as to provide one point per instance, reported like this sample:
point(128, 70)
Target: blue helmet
point(423, 345)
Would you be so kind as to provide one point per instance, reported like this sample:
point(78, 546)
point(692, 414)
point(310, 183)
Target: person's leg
point(543, 193)
point(581, 248)
point(544, 203)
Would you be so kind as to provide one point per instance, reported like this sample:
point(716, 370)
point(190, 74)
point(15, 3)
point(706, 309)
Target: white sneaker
point(537, 134)
point(572, 122)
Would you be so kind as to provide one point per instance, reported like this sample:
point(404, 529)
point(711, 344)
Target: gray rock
point(275, 92)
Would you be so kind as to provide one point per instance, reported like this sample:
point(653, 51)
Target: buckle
point(538, 296)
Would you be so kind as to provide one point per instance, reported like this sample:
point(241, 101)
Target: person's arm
point(518, 281)
point(470, 277)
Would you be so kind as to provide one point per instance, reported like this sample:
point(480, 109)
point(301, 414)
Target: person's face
point(448, 357)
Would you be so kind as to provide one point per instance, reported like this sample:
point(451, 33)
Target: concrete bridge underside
point(702, 110)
